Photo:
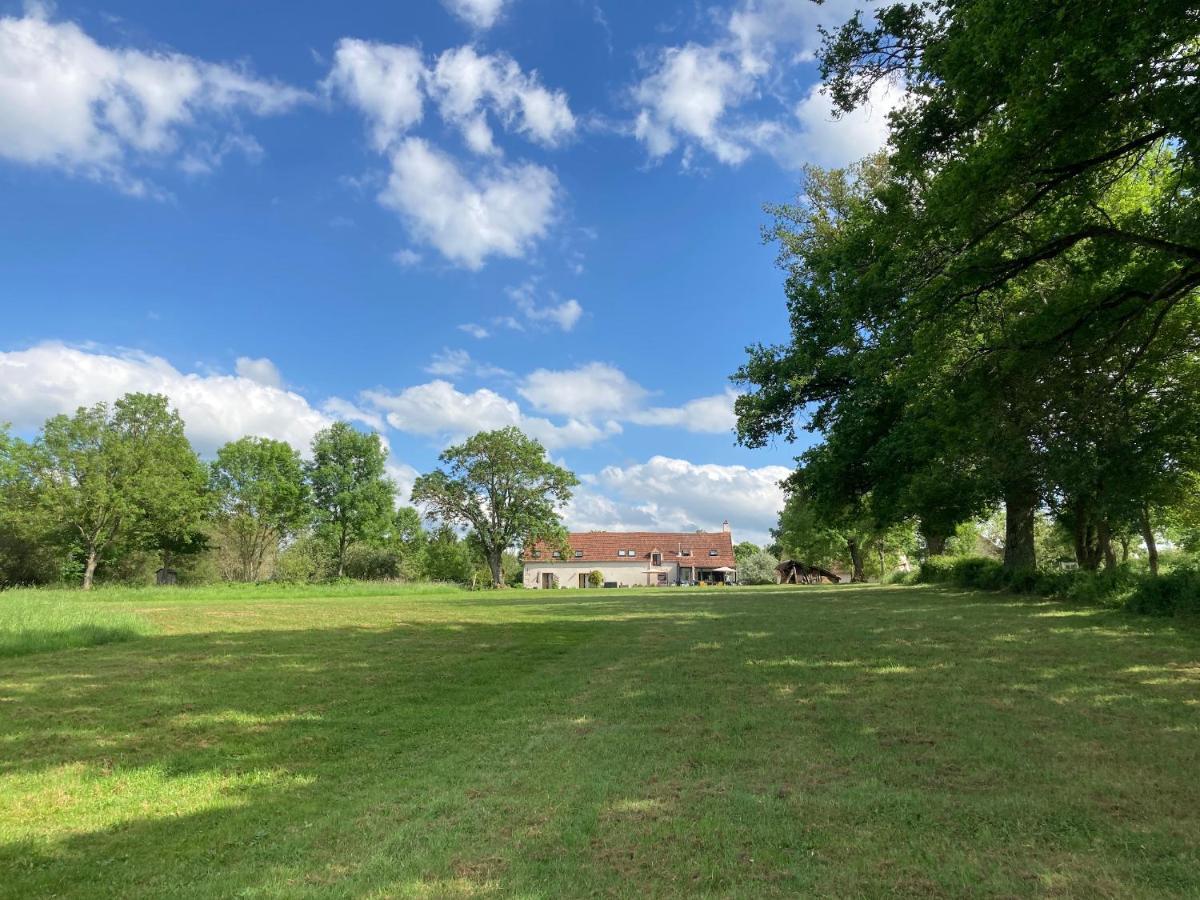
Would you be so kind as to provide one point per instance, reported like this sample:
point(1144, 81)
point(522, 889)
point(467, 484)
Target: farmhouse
point(634, 559)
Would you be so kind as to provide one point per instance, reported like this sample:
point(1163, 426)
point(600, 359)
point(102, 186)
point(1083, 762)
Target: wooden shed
point(792, 571)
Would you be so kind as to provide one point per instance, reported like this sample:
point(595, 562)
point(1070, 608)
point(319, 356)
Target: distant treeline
point(116, 493)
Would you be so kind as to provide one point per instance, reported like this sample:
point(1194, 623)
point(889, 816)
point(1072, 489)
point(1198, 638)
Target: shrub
point(1175, 593)
point(596, 578)
point(757, 568)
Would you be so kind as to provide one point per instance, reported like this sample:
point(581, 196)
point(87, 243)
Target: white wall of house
point(625, 574)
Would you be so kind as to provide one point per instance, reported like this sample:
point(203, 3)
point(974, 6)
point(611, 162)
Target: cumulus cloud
point(384, 82)
point(709, 97)
point(500, 212)
point(668, 494)
point(69, 102)
point(439, 410)
point(493, 209)
point(467, 84)
point(596, 388)
point(479, 14)
point(685, 99)
point(261, 370)
point(710, 415)
point(53, 378)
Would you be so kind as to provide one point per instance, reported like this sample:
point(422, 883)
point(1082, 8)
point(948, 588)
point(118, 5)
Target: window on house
point(712, 552)
point(620, 553)
point(537, 553)
point(630, 553)
point(656, 559)
point(557, 555)
point(579, 554)
point(685, 552)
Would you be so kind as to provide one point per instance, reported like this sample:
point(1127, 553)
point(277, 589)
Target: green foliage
point(352, 497)
point(1121, 586)
point(112, 480)
point(744, 550)
point(1175, 593)
point(448, 559)
point(757, 568)
point(309, 557)
point(595, 578)
point(501, 485)
point(1004, 306)
point(260, 499)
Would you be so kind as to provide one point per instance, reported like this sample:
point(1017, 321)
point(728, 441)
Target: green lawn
point(832, 742)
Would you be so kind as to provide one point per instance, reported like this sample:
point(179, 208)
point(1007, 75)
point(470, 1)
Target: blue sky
point(425, 216)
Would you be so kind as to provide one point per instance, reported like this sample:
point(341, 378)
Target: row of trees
point(117, 489)
point(1001, 309)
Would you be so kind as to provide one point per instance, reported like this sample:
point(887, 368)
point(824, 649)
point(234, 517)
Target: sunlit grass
point(430, 743)
point(35, 622)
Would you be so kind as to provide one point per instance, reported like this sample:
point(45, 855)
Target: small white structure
point(634, 559)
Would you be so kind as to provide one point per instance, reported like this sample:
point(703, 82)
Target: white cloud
point(708, 415)
point(596, 388)
point(261, 370)
point(709, 97)
point(686, 97)
point(499, 212)
point(666, 494)
point(496, 209)
point(565, 314)
point(479, 14)
point(68, 102)
point(384, 82)
point(53, 378)
point(439, 410)
point(466, 84)
point(476, 331)
point(406, 257)
point(342, 409)
point(453, 363)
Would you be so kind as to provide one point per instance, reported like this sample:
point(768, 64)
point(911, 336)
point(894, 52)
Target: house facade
point(634, 559)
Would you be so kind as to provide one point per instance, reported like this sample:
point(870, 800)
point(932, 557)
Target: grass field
point(842, 742)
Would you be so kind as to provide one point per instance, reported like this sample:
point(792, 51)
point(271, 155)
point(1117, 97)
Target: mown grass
point(844, 742)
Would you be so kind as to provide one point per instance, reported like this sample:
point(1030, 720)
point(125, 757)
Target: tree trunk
point(1148, 537)
point(341, 569)
point(1106, 548)
point(1124, 539)
point(935, 544)
point(1020, 509)
point(1088, 546)
point(89, 570)
point(495, 564)
point(856, 558)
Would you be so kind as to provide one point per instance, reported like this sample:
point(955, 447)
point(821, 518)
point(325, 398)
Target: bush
point(1175, 593)
point(757, 568)
point(596, 578)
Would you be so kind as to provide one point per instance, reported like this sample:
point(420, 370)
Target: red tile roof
point(602, 546)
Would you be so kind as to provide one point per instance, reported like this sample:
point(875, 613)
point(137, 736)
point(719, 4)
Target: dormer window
point(656, 559)
point(579, 554)
point(557, 555)
point(712, 552)
point(685, 552)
